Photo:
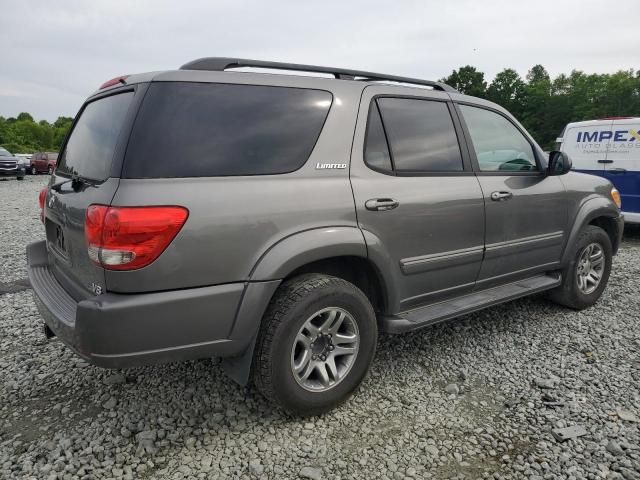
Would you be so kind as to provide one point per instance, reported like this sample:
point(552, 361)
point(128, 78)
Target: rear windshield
point(205, 129)
point(89, 151)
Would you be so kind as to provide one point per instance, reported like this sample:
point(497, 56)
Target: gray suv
point(282, 221)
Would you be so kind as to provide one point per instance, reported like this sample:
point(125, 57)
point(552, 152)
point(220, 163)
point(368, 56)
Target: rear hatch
point(87, 173)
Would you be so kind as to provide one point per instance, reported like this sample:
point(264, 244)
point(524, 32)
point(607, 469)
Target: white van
point(610, 148)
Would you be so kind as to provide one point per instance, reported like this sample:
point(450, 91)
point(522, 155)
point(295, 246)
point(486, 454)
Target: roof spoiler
point(220, 64)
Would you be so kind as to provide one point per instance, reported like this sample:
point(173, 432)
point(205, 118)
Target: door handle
point(605, 161)
point(381, 204)
point(500, 196)
point(617, 170)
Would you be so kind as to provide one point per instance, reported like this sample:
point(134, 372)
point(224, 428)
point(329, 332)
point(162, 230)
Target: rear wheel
point(315, 345)
point(586, 276)
point(50, 170)
point(34, 170)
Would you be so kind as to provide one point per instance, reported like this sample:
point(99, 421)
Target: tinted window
point(421, 135)
point(376, 150)
point(89, 151)
point(499, 145)
point(198, 130)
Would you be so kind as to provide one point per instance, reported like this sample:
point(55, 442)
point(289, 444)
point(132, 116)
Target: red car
point(42, 162)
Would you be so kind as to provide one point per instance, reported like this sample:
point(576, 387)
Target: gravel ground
point(476, 397)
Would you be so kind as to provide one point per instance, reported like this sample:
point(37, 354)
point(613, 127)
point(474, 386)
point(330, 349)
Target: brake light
point(41, 198)
point(128, 238)
point(114, 81)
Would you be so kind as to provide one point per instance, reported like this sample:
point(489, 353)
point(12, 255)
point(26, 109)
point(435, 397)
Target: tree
point(538, 74)
point(24, 135)
point(507, 89)
point(535, 111)
point(467, 80)
point(63, 122)
point(25, 116)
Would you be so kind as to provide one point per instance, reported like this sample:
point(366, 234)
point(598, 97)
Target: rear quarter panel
point(233, 221)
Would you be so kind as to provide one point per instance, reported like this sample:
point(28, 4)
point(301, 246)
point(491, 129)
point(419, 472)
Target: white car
point(610, 148)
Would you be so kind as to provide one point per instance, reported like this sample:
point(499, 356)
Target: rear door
point(623, 164)
point(95, 141)
point(418, 202)
point(587, 145)
point(526, 212)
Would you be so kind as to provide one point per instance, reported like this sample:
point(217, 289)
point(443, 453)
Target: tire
point(570, 293)
point(34, 171)
point(50, 170)
point(20, 178)
point(278, 345)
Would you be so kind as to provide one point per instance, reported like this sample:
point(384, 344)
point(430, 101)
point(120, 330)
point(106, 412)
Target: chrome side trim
point(499, 249)
point(437, 261)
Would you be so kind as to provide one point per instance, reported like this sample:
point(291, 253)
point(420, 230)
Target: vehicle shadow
point(631, 233)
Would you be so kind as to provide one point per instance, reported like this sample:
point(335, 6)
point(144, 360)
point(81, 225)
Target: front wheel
point(50, 170)
point(586, 276)
point(316, 343)
point(34, 171)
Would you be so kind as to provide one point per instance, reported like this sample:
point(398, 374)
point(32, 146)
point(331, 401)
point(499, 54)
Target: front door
point(418, 202)
point(526, 213)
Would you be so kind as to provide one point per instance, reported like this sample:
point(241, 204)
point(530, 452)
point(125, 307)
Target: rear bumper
point(120, 330)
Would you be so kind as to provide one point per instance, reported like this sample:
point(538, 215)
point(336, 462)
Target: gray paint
point(205, 295)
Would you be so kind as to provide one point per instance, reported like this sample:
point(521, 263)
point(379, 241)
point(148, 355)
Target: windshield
point(5, 153)
point(89, 151)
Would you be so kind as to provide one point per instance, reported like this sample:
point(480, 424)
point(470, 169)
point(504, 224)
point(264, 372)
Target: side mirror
point(559, 163)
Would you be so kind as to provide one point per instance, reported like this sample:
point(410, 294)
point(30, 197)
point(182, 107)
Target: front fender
point(305, 247)
point(592, 208)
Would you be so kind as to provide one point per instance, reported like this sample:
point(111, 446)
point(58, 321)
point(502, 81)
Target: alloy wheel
point(325, 349)
point(590, 268)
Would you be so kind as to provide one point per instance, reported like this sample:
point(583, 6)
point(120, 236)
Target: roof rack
point(220, 64)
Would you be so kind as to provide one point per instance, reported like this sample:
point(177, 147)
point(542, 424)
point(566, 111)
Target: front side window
point(421, 135)
point(498, 144)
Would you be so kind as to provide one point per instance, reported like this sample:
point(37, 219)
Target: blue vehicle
point(609, 148)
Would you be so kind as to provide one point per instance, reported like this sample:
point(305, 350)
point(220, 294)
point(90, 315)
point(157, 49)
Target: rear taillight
point(127, 238)
point(41, 198)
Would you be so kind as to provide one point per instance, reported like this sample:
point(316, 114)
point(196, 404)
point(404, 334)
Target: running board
point(439, 312)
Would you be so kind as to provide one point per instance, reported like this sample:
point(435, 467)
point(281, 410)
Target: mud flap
point(238, 368)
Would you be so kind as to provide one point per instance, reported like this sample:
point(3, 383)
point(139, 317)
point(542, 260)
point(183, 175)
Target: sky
point(54, 53)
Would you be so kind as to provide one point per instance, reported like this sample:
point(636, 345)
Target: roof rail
point(220, 64)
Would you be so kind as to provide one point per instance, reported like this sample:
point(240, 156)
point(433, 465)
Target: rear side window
point(421, 135)
point(376, 149)
point(207, 129)
point(90, 148)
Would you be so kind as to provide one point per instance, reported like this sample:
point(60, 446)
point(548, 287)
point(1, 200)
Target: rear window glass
point(200, 130)
point(89, 151)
